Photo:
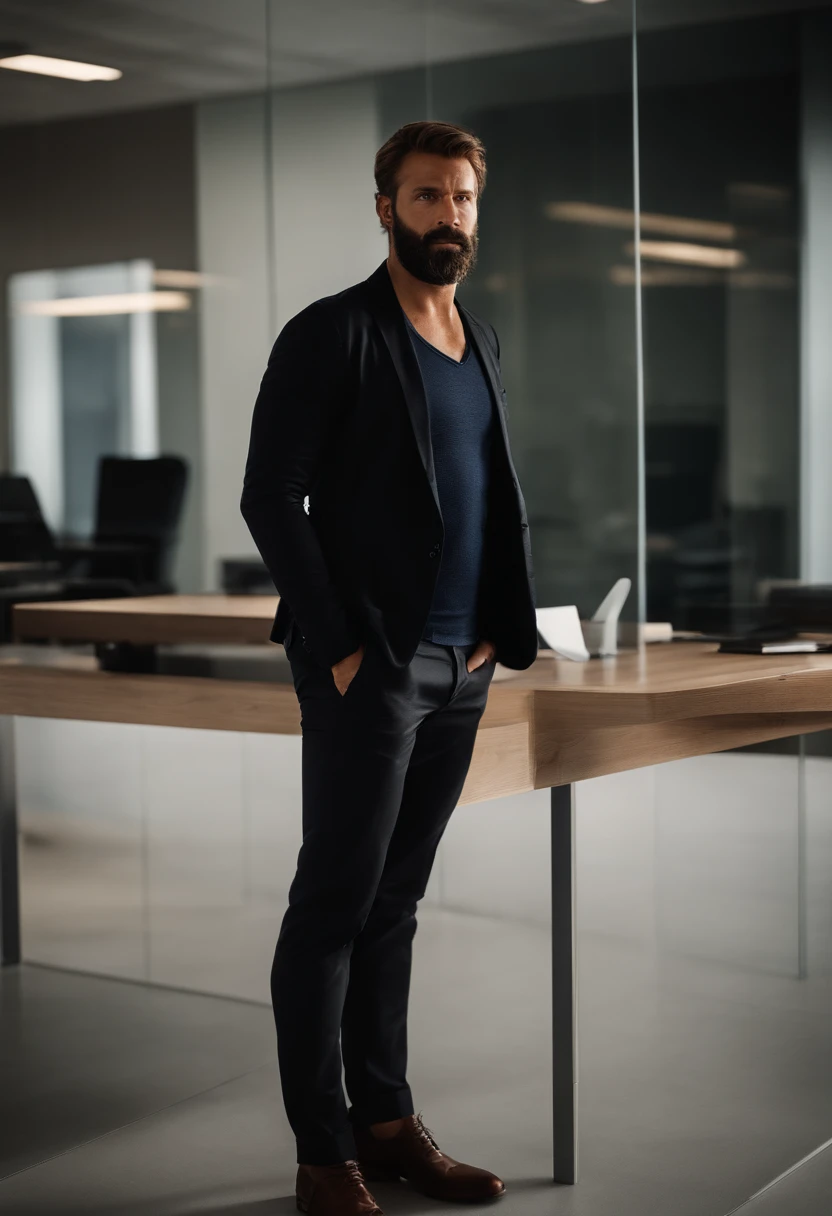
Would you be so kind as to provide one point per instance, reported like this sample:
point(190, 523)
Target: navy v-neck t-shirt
point(461, 415)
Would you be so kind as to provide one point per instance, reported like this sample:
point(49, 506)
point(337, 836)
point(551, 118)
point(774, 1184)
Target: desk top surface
point(657, 671)
point(217, 607)
point(556, 722)
point(668, 667)
point(150, 619)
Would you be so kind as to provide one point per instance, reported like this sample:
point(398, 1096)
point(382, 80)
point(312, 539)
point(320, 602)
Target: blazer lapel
point(483, 348)
point(389, 317)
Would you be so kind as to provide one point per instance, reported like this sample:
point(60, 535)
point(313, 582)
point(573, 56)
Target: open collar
point(389, 316)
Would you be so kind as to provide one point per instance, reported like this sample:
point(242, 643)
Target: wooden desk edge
point(35, 622)
point(519, 747)
point(766, 694)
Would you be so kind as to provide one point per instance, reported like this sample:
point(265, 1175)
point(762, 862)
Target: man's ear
point(384, 211)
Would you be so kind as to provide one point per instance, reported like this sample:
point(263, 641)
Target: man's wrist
point(351, 655)
point(335, 652)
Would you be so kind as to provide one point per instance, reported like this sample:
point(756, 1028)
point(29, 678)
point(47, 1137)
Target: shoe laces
point(425, 1133)
point(350, 1171)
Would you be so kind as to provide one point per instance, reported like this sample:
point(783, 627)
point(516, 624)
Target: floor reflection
point(706, 1069)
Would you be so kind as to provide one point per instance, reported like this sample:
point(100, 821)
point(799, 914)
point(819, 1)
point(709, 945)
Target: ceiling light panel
point(67, 69)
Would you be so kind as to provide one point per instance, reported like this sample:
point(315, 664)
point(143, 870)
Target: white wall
point(327, 236)
point(698, 858)
point(495, 857)
point(166, 854)
point(315, 177)
point(231, 242)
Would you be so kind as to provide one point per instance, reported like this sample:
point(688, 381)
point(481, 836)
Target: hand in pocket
point(345, 671)
point(483, 652)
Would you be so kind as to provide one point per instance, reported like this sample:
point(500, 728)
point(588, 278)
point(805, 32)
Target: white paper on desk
point(560, 629)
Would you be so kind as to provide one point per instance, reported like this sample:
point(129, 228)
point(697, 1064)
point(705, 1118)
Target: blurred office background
point(671, 421)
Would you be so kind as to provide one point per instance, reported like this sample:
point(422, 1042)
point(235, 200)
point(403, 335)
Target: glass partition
point(735, 124)
point(107, 313)
point(84, 379)
point(556, 118)
point(720, 158)
point(704, 885)
point(549, 93)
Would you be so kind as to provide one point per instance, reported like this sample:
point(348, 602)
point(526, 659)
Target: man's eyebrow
point(436, 190)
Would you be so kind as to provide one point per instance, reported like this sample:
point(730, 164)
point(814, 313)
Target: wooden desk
point(555, 723)
point(548, 727)
point(18, 574)
point(150, 619)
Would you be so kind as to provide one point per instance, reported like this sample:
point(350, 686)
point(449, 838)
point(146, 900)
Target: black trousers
point(383, 768)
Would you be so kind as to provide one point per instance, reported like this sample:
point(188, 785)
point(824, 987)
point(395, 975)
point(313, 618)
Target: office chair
point(138, 509)
point(25, 538)
point(32, 566)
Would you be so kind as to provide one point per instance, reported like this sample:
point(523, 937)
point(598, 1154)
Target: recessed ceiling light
point(667, 276)
point(108, 306)
point(591, 1)
point(42, 65)
point(678, 276)
point(688, 254)
point(620, 217)
point(191, 280)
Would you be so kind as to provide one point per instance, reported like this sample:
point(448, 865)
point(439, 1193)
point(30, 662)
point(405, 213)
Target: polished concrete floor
point(154, 857)
point(700, 1084)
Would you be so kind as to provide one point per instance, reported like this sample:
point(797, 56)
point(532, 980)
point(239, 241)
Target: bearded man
point(382, 496)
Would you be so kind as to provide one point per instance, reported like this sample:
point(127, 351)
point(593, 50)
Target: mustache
point(447, 235)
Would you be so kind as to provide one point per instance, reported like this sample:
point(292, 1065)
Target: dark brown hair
point(437, 138)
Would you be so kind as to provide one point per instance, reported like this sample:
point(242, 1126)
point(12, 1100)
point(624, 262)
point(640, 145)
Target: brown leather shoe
point(334, 1190)
point(414, 1154)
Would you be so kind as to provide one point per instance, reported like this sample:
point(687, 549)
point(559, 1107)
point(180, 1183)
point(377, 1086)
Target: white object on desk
point(560, 629)
point(563, 630)
point(807, 647)
point(633, 635)
point(601, 633)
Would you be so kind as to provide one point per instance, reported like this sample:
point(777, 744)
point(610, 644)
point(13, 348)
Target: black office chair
point(245, 576)
point(32, 565)
point(806, 607)
point(25, 538)
point(138, 510)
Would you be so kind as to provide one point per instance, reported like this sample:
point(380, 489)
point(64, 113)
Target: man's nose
point(450, 214)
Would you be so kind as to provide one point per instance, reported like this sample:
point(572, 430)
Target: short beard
point(422, 258)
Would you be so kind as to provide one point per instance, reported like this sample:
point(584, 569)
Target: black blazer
point(341, 416)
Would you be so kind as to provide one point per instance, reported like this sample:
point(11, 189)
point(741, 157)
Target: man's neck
point(420, 299)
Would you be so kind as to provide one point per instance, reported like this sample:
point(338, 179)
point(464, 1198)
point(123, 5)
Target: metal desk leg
point(564, 1019)
point(9, 892)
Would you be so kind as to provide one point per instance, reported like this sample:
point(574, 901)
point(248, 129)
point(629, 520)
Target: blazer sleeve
point(302, 393)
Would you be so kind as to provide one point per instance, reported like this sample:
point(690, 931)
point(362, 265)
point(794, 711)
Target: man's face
point(433, 220)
